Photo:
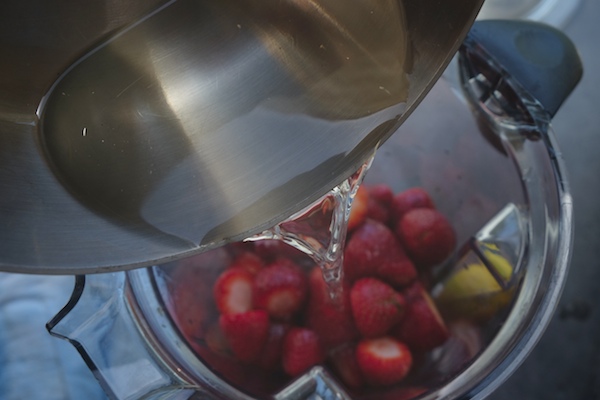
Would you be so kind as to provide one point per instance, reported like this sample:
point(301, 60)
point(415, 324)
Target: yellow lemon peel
point(473, 291)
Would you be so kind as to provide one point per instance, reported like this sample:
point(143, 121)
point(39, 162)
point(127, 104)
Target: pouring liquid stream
point(320, 229)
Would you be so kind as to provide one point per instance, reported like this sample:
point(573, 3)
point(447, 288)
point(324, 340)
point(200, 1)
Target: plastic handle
point(541, 58)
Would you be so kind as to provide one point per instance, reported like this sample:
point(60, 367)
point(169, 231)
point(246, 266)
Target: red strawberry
point(383, 361)
point(376, 307)
point(382, 193)
point(377, 211)
point(246, 333)
point(422, 327)
point(331, 320)
point(249, 261)
point(343, 361)
point(380, 201)
point(301, 350)
point(410, 199)
point(374, 250)
point(398, 270)
point(427, 236)
point(280, 288)
point(270, 358)
point(233, 291)
point(358, 212)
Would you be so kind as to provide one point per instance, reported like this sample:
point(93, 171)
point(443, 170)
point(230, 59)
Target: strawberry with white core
point(383, 361)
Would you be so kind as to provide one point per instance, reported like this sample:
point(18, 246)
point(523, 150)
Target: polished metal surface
point(135, 132)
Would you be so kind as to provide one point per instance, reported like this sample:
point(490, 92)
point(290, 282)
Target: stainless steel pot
point(141, 131)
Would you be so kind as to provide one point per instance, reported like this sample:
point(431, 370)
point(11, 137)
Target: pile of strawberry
point(269, 311)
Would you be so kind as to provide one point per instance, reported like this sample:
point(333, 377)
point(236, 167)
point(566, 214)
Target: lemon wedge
point(473, 291)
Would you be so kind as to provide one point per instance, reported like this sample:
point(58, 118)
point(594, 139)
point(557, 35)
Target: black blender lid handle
point(541, 58)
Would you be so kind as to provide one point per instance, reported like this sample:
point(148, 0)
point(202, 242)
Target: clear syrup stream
point(320, 229)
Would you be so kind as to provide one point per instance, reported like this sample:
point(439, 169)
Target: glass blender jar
point(489, 161)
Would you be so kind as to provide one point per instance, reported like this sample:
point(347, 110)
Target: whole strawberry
point(331, 320)
point(376, 307)
point(280, 288)
point(422, 327)
point(302, 350)
point(382, 193)
point(343, 361)
point(374, 250)
point(410, 199)
point(426, 235)
point(246, 333)
point(383, 361)
point(380, 203)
